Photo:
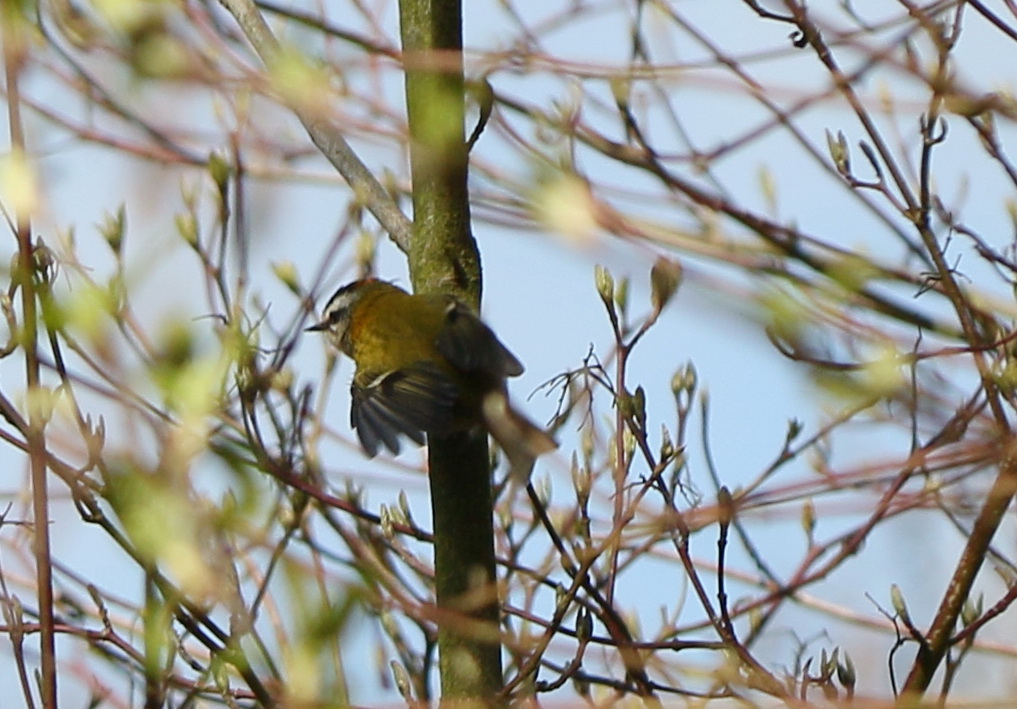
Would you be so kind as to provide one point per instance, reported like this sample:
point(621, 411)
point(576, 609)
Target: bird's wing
point(414, 400)
point(470, 345)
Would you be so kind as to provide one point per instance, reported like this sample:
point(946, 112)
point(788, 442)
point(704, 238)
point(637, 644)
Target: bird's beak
point(317, 327)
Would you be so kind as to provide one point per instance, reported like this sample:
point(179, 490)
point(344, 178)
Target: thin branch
point(325, 133)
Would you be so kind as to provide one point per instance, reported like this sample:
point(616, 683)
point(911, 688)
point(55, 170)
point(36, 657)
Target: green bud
point(755, 618)
point(900, 606)
point(387, 528)
point(604, 281)
point(846, 672)
point(404, 508)
point(581, 480)
point(187, 227)
point(219, 170)
point(666, 444)
point(828, 664)
point(794, 429)
point(725, 506)
point(689, 377)
point(808, 517)
point(113, 227)
point(971, 610)
point(397, 517)
point(286, 272)
point(839, 152)
point(389, 624)
point(95, 438)
point(584, 625)
point(677, 384)
point(402, 681)
point(638, 403)
point(621, 294)
point(665, 277)
point(560, 595)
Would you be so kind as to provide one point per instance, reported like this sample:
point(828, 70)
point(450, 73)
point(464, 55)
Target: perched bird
point(427, 364)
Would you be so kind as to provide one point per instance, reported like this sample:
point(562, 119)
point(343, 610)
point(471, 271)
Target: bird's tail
point(521, 440)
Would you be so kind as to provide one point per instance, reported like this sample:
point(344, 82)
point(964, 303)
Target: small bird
point(425, 364)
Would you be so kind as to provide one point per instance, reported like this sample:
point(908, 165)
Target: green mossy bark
point(444, 258)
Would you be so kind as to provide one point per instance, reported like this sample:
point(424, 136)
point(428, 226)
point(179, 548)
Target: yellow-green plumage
point(426, 364)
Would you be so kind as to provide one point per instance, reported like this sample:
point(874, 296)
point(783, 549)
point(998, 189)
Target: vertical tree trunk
point(444, 258)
